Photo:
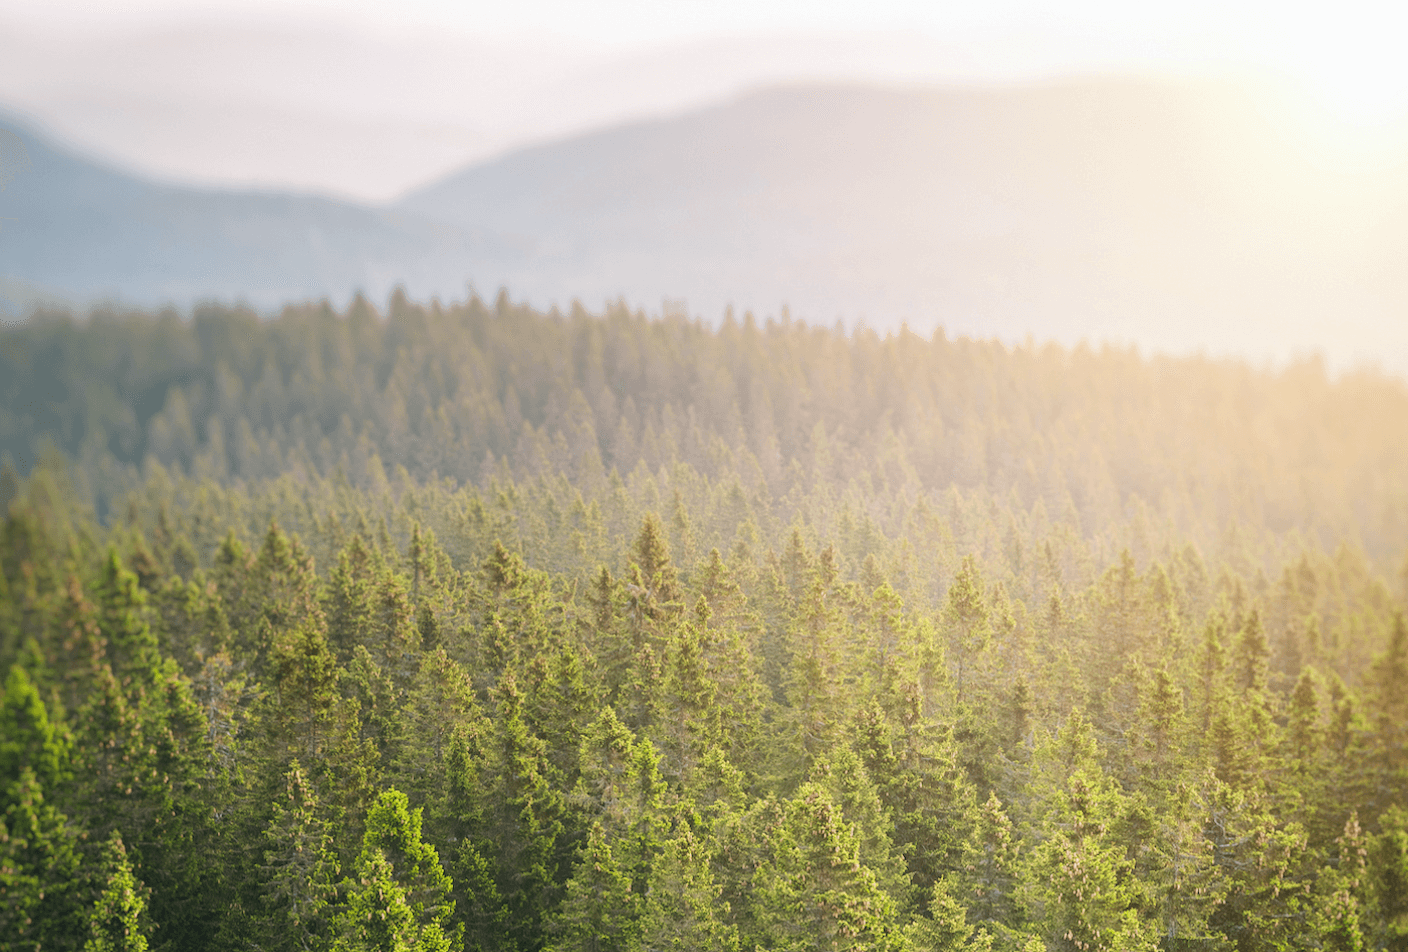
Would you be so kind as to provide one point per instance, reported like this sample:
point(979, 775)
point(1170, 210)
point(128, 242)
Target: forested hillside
point(477, 627)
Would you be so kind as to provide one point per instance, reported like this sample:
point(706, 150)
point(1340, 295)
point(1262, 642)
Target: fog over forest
point(488, 628)
point(745, 477)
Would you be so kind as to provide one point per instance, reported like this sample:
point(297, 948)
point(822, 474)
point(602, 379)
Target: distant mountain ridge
point(1173, 216)
point(80, 231)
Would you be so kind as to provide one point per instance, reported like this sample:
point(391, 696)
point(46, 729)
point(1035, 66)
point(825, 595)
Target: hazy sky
point(368, 99)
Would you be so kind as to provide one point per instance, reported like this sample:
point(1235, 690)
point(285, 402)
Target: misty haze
point(616, 478)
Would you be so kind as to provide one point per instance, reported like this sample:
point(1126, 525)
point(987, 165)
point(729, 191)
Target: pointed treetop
point(651, 553)
point(117, 921)
point(27, 738)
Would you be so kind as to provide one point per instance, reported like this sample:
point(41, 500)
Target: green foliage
point(598, 911)
point(681, 910)
point(116, 922)
point(399, 899)
point(300, 869)
point(1389, 872)
point(40, 891)
point(27, 738)
point(931, 645)
point(814, 892)
point(378, 917)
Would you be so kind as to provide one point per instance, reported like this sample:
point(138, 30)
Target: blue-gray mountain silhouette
point(1171, 215)
point(77, 230)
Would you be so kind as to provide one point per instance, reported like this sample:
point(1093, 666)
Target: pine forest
point(429, 628)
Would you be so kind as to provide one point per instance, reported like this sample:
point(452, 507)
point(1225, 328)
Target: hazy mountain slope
point(81, 231)
point(1175, 217)
point(1172, 216)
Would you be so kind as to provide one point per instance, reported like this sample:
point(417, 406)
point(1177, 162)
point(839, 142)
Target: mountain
point(1177, 216)
point(76, 230)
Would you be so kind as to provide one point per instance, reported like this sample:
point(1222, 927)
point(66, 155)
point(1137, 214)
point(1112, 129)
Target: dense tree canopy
point(476, 628)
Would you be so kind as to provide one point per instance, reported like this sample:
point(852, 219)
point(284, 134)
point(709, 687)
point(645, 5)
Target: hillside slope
point(80, 230)
point(1174, 217)
point(1179, 218)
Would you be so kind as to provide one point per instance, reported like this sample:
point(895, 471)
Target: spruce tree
point(945, 928)
point(813, 892)
point(41, 892)
point(1390, 713)
point(1339, 893)
point(816, 675)
point(299, 870)
point(28, 740)
point(393, 835)
point(117, 922)
point(682, 910)
point(524, 831)
point(988, 879)
point(598, 911)
point(1388, 870)
point(968, 625)
point(379, 918)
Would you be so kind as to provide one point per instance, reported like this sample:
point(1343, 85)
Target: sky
point(367, 100)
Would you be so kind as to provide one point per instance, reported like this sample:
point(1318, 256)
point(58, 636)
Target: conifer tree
point(458, 816)
point(967, 621)
point(561, 702)
point(524, 821)
point(1263, 861)
point(1212, 661)
point(379, 918)
point(814, 893)
point(841, 774)
point(440, 704)
point(131, 645)
point(1388, 870)
point(300, 868)
point(1185, 883)
point(1082, 889)
point(117, 921)
point(988, 880)
point(302, 677)
point(1339, 893)
point(28, 740)
point(393, 833)
point(598, 911)
point(945, 928)
point(282, 584)
point(653, 590)
point(688, 721)
point(41, 903)
point(78, 646)
point(1390, 711)
point(682, 910)
point(715, 794)
point(816, 676)
point(1303, 716)
point(919, 780)
point(609, 639)
point(1251, 660)
point(349, 601)
point(395, 641)
point(1160, 725)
